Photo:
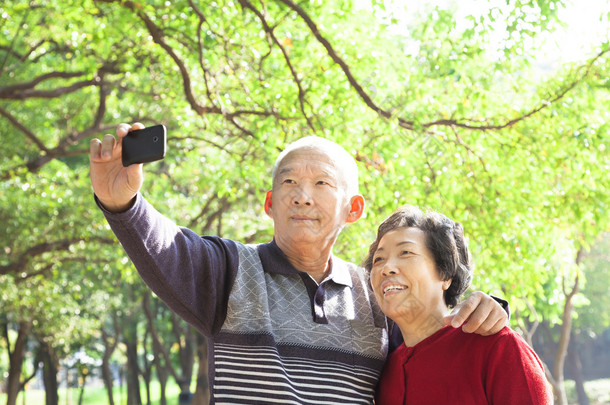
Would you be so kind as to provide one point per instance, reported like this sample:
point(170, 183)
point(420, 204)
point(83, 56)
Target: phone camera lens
point(155, 139)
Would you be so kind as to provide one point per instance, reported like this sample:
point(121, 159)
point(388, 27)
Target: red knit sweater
point(453, 367)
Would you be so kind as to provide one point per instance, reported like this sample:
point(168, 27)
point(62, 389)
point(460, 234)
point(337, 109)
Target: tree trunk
point(110, 345)
point(558, 382)
point(163, 376)
point(575, 367)
point(49, 374)
point(106, 372)
point(187, 360)
point(163, 372)
point(202, 391)
point(133, 382)
point(16, 358)
point(185, 337)
point(81, 395)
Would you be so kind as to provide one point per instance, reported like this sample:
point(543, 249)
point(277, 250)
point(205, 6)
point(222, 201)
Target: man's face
point(309, 203)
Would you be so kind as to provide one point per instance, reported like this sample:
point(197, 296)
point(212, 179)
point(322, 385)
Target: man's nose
point(302, 196)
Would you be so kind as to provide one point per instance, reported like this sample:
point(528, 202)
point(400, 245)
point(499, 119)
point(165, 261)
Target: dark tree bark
point(575, 367)
point(163, 372)
point(109, 347)
point(202, 391)
point(133, 383)
point(16, 358)
point(49, 374)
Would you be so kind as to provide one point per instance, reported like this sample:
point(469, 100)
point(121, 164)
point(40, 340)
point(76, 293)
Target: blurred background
point(493, 112)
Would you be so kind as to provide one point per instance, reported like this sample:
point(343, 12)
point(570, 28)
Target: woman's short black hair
point(444, 239)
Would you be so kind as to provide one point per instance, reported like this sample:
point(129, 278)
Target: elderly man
point(287, 321)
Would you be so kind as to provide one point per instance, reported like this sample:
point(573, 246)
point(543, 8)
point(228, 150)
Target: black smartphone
point(144, 145)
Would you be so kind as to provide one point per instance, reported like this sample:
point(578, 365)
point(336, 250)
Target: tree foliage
point(435, 115)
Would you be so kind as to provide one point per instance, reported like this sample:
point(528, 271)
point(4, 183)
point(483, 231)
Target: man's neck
point(309, 259)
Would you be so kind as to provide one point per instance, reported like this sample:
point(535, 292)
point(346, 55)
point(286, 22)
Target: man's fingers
point(447, 319)
point(483, 315)
point(101, 151)
point(481, 320)
point(488, 328)
point(465, 309)
point(477, 319)
point(497, 327)
point(123, 129)
point(95, 149)
point(108, 143)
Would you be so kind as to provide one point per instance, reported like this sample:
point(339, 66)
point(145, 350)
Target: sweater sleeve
point(515, 374)
point(192, 274)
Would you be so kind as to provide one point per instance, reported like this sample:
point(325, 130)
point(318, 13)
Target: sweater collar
point(275, 261)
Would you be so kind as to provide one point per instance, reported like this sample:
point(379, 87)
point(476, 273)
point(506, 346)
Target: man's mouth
point(301, 218)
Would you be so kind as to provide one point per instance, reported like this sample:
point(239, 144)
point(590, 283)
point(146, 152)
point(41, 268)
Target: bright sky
point(587, 25)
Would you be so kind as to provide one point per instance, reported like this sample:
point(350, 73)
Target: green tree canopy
point(436, 111)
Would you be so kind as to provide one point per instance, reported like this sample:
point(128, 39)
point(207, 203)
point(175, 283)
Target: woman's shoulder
point(506, 334)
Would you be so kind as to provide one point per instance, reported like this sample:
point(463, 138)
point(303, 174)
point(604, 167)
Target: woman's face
point(404, 277)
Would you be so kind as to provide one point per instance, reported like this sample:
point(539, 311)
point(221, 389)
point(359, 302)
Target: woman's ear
point(447, 284)
point(268, 203)
point(356, 208)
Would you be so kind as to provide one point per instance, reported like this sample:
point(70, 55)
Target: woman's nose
point(389, 269)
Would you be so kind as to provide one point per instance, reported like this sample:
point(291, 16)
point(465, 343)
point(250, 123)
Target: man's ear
point(356, 208)
point(268, 203)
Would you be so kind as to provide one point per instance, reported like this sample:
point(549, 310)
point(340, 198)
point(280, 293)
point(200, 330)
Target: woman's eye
point(377, 259)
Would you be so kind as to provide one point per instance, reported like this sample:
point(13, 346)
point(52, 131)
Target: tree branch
point(346, 70)
point(62, 147)
point(544, 104)
point(158, 38)
point(407, 124)
point(271, 34)
point(155, 336)
point(21, 91)
point(29, 134)
point(20, 263)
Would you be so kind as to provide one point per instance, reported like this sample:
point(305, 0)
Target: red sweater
point(453, 367)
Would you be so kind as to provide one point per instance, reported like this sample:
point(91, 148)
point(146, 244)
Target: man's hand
point(114, 185)
point(482, 315)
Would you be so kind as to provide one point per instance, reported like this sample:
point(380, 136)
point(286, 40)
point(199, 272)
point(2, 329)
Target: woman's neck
point(426, 324)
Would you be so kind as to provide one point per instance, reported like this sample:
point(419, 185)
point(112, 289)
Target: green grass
point(96, 396)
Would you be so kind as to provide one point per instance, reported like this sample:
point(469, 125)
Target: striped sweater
point(274, 334)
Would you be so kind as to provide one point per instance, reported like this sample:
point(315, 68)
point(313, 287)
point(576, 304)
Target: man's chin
point(307, 235)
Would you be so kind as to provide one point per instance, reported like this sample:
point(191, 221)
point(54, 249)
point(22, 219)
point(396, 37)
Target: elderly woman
point(419, 268)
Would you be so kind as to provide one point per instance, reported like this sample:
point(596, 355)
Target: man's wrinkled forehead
point(308, 155)
point(338, 160)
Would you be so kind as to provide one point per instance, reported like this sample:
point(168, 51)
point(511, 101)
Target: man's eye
point(288, 181)
point(406, 252)
point(322, 183)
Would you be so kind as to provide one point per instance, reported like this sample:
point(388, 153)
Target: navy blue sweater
point(275, 335)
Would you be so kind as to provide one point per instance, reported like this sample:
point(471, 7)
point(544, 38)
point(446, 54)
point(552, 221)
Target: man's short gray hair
point(344, 161)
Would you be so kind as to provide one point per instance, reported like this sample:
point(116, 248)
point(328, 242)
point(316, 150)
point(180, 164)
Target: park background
point(493, 112)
